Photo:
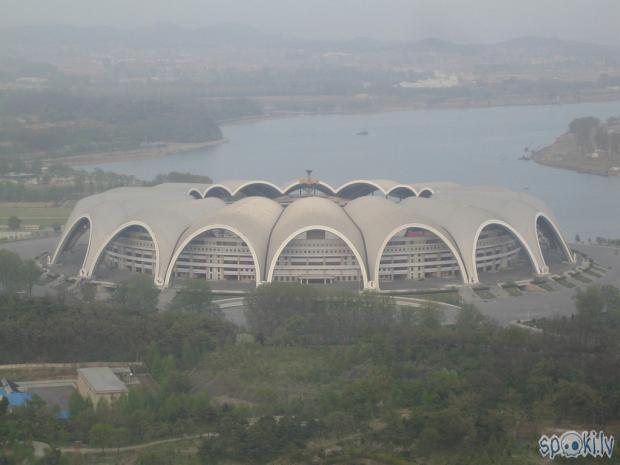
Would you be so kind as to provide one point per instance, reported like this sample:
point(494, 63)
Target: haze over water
point(467, 146)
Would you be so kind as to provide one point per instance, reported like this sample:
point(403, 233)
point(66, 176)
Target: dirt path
point(146, 445)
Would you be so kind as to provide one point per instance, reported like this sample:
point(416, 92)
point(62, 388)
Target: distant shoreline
point(161, 151)
point(419, 106)
point(563, 154)
point(144, 153)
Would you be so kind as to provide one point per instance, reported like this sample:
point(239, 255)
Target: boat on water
point(526, 154)
point(362, 133)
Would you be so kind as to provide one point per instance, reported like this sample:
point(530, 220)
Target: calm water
point(467, 146)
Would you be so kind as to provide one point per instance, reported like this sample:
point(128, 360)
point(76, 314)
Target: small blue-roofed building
point(12, 393)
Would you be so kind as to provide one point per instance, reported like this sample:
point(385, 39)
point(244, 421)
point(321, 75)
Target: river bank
point(325, 105)
point(564, 153)
point(299, 106)
point(144, 153)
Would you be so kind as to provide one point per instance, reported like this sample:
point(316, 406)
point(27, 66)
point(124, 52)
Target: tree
point(37, 420)
point(89, 292)
point(77, 404)
point(195, 297)
point(583, 130)
point(10, 264)
point(30, 273)
point(430, 316)
point(577, 238)
point(577, 401)
point(154, 360)
point(104, 435)
point(271, 305)
point(590, 303)
point(470, 317)
point(190, 356)
point(602, 139)
point(14, 223)
point(51, 457)
point(138, 293)
point(4, 405)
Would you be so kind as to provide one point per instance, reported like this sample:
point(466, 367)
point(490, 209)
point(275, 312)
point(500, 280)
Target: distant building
point(99, 384)
point(438, 81)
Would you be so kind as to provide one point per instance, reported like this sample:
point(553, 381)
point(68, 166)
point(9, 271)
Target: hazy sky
point(458, 20)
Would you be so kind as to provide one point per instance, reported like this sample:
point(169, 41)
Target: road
point(31, 248)
point(560, 302)
point(234, 307)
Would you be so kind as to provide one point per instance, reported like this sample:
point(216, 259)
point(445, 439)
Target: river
point(467, 146)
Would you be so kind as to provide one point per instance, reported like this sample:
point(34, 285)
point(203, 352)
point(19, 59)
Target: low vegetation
point(512, 289)
point(562, 280)
point(543, 284)
point(484, 293)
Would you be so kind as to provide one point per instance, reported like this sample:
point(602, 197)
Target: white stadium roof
point(175, 213)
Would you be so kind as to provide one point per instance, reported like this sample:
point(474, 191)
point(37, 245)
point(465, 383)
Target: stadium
point(365, 234)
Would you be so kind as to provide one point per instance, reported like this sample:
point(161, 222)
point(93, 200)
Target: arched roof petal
point(166, 215)
point(296, 184)
point(402, 191)
point(248, 187)
point(315, 213)
point(259, 188)
point(217, 190)
point(379, 219)
point(251, 218)
point(360, 187)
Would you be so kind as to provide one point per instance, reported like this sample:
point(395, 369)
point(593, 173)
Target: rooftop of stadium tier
point(365, 234)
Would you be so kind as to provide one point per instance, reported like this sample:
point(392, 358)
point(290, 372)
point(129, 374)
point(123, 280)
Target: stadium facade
point(371, 234)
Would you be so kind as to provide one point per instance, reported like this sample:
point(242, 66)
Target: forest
point(593, 135)
point(317, 376)
point(59, 123)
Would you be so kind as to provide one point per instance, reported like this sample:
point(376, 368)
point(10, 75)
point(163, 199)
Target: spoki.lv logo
point(573, 444)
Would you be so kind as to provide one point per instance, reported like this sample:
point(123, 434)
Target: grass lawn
point(34, 213)
point(543, 284)
point(484, 294)
point(513, 290)
point(448, 297)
